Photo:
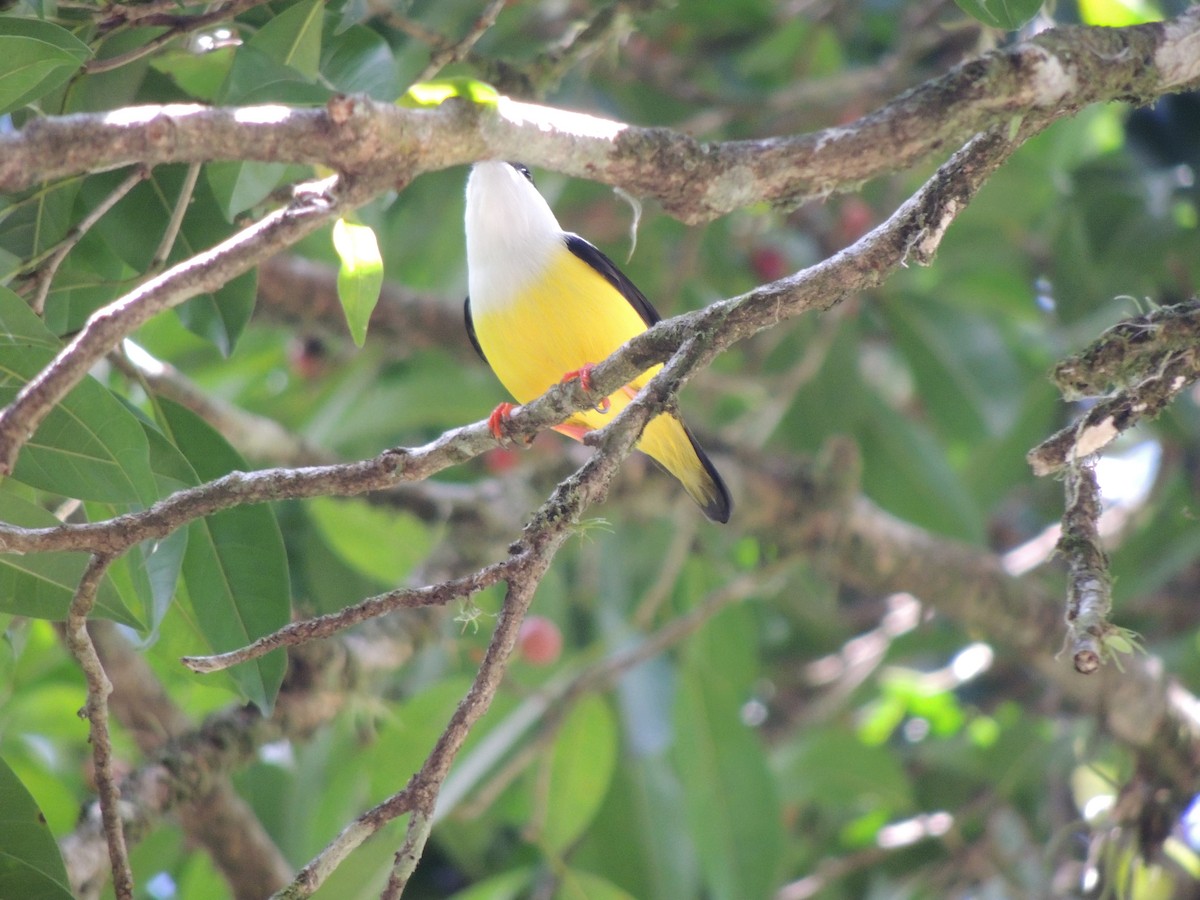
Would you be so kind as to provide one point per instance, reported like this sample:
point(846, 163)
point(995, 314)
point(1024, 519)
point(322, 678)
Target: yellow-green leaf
point(360, 277)
point(438, 91)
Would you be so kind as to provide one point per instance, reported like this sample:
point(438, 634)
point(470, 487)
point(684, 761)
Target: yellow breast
point(566, 318)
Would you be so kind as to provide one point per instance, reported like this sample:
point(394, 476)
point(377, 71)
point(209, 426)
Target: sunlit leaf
point(360, 277)
point(1118, 13)
point(436, 92)
point(382, 543)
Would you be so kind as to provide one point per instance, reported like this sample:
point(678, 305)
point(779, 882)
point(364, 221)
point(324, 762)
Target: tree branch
point(547, 530)
point(1148, 360)
point(219, 818)
point(96, 712)
point(320, 678)
point(1048, 77)
point(912, 233)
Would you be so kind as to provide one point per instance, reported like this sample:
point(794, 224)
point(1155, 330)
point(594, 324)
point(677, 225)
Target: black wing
point(471, 329)
point(592, 255)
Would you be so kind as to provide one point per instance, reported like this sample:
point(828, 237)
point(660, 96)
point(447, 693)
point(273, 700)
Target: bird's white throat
point(512, 235)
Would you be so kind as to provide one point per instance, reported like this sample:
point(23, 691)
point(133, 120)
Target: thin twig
point(47, 271)
point(96, 712)
point(97, 65)
point(176, 27)
point(176, 221)
point(219, 819)
point(447, 54)
point(330, 624)
point(544, 535)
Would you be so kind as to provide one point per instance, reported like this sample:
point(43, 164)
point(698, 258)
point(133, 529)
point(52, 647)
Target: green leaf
point(731, 807)
point(32, 223)
point(834, 768)
point(200, 74)
point(19, 325)
point(636, 835)
point(581, 767)
point(906, 466)
point(42, 585)
point(438, 91)
point(35, 58)
point(133, 229)
point(577, 885)
point(967, 376)
point(89, 446)
point(381, 543)
point(222, 316)
point(31, 866)
point(235, 566)
point(255, 77)
point(359, 61)
point(509, 886)
point(360, 277)
point(238, 186)
point(1006, 14)
point(293, 38)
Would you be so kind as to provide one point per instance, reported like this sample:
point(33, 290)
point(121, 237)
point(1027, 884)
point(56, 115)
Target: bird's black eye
point(523, 169)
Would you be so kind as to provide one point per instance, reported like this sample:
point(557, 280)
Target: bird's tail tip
point(709, 490)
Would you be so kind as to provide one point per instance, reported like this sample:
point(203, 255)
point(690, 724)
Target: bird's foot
point(584, 374)
point(499, 419)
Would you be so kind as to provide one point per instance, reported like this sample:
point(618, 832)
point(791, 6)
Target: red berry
point(539, 641)
point(769, 263)
point(500, 460)
point(856, 219)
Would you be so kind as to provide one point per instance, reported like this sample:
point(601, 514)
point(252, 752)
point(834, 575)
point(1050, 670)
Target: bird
point(544, 306)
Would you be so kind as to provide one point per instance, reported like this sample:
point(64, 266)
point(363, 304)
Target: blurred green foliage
point(729, 765)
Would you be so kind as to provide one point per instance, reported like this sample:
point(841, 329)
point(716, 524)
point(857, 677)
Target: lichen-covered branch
point(911, 234)
point(1089, 585)
point(1049, 77)
point(1147, 360)
point(321, 678)
point(96, 712)
point(550, 526)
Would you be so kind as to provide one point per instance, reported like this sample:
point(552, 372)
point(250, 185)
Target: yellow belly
point(570, 318)
point(573, 317)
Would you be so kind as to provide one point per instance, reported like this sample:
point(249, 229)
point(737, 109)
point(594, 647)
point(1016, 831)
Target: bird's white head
point(512, 233)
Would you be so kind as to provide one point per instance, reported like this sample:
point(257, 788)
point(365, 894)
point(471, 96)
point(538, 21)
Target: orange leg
point(584, 374)
point(498, 419)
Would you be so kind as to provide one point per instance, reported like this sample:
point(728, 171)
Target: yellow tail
point(668, 442)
